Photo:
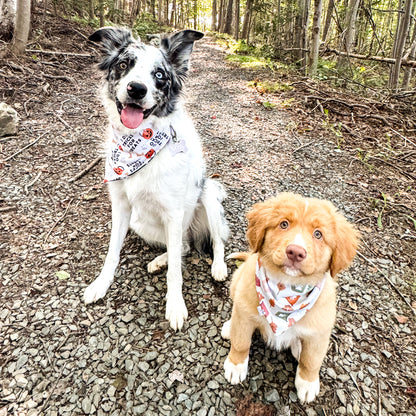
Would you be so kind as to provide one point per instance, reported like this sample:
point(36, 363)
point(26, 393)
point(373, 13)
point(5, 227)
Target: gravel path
point(119, 356)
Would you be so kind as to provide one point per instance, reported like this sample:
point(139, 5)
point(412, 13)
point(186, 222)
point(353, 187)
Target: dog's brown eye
point(284, 224)
point(122, 65)
point(317, 234)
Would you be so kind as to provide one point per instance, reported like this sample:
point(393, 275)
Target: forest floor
point(119, 356)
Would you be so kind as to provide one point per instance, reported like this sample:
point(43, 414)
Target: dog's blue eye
point(159, 75)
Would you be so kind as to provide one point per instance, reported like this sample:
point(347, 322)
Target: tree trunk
point(7, 18)
point(411, 56)
point(247, 18)
point(21, 30)
point(195, 13)
point(348, 36)
point(314, 44)
point(91, 14)
point(328, 18)
point(214, 16)
point(159, 11)
point(236, 19)
point(301, 27)
point(402, 34)
point(102, 20)
point(173, 14)
point(229, 18)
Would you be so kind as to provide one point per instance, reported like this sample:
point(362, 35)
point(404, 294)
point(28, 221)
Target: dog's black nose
point(136, 90)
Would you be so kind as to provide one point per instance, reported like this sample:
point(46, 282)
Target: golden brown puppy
point(286, 288)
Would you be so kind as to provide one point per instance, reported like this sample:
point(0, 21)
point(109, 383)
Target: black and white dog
point(155, 168)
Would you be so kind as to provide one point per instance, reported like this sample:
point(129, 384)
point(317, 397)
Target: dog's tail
point(241, 255)
point(209, 224)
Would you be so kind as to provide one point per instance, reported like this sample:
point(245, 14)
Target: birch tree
point(401, 36)
point(7, 17)
point(315, 39)
point(348, 36)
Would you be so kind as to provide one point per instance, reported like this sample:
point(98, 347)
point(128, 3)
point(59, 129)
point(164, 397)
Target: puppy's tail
point(241, 255)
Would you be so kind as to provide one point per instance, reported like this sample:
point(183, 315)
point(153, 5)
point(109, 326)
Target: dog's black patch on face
point(119, 57)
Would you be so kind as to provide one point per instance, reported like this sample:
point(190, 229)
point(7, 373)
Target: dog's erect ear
point(111, 38)
point(178, 48)
point(347, 240)
point(260, 218)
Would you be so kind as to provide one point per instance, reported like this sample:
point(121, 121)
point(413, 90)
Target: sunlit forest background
point(369, 44)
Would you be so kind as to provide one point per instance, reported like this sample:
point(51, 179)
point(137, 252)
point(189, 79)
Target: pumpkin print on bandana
point(283, 305)
point(128, 153)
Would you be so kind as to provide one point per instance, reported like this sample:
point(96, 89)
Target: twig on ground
point(4, 139)
point(63, 121)
point(8, 209)
point(34, 180)
point(60, 77)
point(389, 281)
point(26, 147)
point(87, 55)
point(303, 146)
point(403, 137)
point(58, 221)
point(86, 170)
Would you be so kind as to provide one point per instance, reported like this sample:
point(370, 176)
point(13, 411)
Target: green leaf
point(62, 275)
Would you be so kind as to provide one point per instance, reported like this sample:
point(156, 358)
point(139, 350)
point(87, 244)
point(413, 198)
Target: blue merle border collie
point(154, 167)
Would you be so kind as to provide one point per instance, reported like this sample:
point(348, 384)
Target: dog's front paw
point(219, 270)
point(235, 373)
point(158, 263)
point(306, 390)
point(226, 329)
point(176, 311)
point(96, 290)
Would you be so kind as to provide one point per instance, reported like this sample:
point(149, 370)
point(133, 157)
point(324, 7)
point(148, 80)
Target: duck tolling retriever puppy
point(286, 286)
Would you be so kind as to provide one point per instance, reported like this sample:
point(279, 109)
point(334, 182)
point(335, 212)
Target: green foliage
point(268, 105)
point(146, 24)
point(246, 61)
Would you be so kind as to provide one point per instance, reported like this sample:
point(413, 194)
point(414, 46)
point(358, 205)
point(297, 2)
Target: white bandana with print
point(128, 153)
point(284, 305)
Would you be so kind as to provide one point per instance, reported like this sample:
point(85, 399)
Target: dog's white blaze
point(299, 241)
point(142, 72)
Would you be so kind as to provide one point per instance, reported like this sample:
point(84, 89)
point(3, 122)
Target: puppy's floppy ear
point(258, 222)
point(347, 240)
point(111, 39)
point(178, 48)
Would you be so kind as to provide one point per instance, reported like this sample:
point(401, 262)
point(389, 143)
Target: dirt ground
point(306, 137)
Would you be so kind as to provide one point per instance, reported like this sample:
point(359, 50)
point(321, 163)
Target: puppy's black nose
point(295, 253)
point(136, 90)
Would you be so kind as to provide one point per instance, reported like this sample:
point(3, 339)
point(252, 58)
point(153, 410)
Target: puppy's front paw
point(307, 390)
point(96, 290)
point(158, 263)
point(235, 373)
point(219, 270)
point(226, 329)
point(176, 311)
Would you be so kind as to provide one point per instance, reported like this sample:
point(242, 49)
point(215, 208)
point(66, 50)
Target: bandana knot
point(284, 305)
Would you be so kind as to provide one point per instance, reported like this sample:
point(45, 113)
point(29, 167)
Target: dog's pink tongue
point(131, 116)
